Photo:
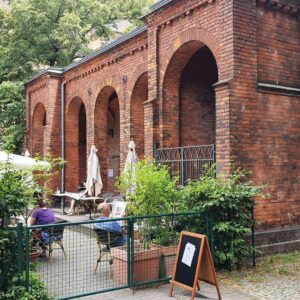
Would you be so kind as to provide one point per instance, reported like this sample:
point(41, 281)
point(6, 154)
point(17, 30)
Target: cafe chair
point(54, 240)
point(104, 196)
point(105, 240)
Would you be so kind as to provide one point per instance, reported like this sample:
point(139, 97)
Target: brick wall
point(191, 78)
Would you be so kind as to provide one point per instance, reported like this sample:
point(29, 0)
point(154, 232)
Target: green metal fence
point(79, 263)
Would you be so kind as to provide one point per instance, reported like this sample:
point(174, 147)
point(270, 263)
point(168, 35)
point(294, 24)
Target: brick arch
point(138, 96)
point(76, 143)
point(184, 103)
point(141, 69)
point(200, 35)
point(108, 82)
point(39, 121)
point(107, 134)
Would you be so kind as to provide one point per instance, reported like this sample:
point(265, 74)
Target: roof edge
point(156, 6)
point(122, 39)
point(50, 70)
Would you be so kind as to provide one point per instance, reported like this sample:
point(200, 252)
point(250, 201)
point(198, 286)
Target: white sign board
point(188, 254)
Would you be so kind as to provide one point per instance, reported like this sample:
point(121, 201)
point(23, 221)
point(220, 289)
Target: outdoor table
point(62, 201)
point(92, 203)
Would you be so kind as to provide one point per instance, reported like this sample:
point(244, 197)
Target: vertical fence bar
point(253, 237)
point(129, 242)
point(211, 233)
point(181, 167)
point(207, 228)
point(27, 258)
point(131, 261)
point(20, 246)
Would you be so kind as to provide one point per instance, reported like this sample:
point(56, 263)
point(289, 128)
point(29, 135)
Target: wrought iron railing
point(187, 162)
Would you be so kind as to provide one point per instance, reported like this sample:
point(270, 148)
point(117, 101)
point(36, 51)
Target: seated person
point(111, 226)
point(81, 190)
point(42, 215)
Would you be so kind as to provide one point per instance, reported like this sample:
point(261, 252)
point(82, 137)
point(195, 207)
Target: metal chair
point(110, 200)
point(104, 196)
point(55, 234)
point(105, 240)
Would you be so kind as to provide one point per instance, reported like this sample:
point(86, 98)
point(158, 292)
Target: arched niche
point(188, 116)
point(76, 144)
point(139, 96)
point(107, 135)
point(39, 122)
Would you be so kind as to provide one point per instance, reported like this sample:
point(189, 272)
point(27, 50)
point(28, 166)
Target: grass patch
point(286, 265)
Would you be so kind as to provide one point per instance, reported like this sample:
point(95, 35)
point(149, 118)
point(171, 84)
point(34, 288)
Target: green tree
point(54, 33)
point(12, 115)
point(35, 34)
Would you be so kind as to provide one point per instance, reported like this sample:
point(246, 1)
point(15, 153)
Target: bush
point(154, 189)
point(17, 290)
point(18, 189)
point(8, 256)
point(151, 190)
point(230, 200)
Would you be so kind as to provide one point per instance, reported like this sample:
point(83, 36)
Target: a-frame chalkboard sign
point(194, 263)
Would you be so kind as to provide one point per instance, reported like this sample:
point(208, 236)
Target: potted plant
point(154, 193)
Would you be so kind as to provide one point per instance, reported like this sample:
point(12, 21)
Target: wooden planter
point(146, 264)
point(168, 255)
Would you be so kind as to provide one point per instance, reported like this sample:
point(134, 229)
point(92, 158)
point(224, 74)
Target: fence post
point(181, 166)
point(20, 246)
point(130, 253)
point(207, 226)
point(212, 246)
point(27, 258)
point(253, 237)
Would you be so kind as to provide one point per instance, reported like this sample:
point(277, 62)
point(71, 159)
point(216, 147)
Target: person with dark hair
point(42, 215)
point(81, 192)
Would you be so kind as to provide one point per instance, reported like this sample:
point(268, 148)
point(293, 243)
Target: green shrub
point(8, 256)
point(17, 290)
point(17, 191)
point(151, 190)
point(230, 200)
point(154, 190)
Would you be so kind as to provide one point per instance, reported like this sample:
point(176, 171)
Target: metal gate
point(187, 162)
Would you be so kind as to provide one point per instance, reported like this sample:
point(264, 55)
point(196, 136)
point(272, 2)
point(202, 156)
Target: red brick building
point(223, 72)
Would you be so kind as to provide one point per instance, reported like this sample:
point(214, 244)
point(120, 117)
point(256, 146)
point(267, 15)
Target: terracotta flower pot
point(168, 254)
point(146, 264)
point(34, 253)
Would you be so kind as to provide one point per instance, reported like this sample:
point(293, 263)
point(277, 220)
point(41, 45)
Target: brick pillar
point(28, 136)
point(124, 106)
point(153, 90)
point(149, 110)
point(223, 134)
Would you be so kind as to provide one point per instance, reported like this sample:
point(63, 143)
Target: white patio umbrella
point(20, 162)
point(130, 164)
point(93, 181)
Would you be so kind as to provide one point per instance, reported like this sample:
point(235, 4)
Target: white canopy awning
point(20, 162)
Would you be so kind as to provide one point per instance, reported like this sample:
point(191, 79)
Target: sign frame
point(204, 269)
